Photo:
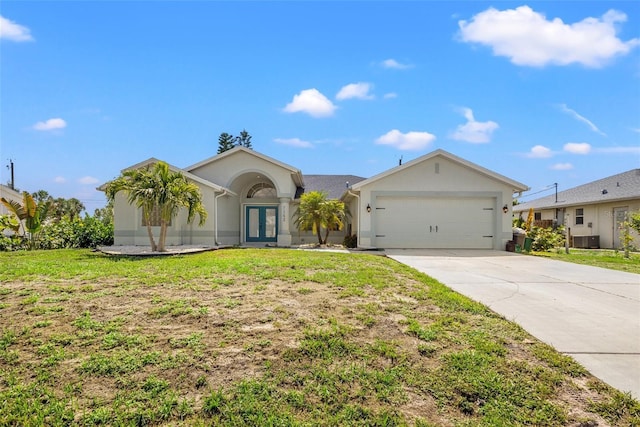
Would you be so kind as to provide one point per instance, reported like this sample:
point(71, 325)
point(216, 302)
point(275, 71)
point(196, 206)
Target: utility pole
point(556, 185)
point(12, 183)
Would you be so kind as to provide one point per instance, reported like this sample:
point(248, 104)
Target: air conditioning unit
point(586, 242)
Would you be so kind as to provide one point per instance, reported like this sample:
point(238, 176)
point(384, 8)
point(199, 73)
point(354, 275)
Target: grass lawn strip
point(271, 337)
point(613, 260)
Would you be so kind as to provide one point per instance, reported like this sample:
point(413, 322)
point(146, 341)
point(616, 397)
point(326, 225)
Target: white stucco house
point(593, 211)
point(435, 201)
point(8, 193)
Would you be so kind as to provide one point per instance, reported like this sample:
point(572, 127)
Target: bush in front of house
point(87, 232)
point(545, 239)
point(350, 241)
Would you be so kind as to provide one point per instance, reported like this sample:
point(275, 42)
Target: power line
point(547, 188)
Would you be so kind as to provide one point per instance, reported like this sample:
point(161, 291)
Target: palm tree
point(309, 212)
point(139, 186)
point(316, 212)
point(334, 214)
point(29, 213)
point(176, 192)
point(159, 188)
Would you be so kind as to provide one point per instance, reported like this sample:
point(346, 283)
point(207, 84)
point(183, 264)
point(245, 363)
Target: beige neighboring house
point(436, 201)
point(593, 212)
point(9, 194)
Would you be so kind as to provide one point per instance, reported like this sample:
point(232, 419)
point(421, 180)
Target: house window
point(579, 216)
point(262, 190)
point(154, 218)
point(537, 216)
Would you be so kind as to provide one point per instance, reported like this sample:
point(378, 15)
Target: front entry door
point(262, 224)
point(620, 216)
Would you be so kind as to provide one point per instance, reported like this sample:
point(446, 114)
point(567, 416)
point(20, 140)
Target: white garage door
point(447, 223)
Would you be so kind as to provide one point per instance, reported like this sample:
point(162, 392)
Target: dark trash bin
point(527, 243)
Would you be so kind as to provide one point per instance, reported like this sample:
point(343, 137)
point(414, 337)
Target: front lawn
point(271, 337)
point(604, 258)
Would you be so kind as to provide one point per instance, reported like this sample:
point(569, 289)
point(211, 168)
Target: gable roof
point(295, 172)
point(188, 175)
point(9, 193)
point(516, 186)
point(623, 186)
point(333, 185)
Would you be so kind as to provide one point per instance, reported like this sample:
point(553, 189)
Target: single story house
point(593, 212)
point(435, 201)
point(8, 193)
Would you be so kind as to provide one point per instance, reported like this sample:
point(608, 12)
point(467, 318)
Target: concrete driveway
point(589, 313)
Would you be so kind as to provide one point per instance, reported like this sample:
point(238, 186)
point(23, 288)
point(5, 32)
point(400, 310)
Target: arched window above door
point(262, 190)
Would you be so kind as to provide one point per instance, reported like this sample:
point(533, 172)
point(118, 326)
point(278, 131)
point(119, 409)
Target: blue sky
point(541, 92)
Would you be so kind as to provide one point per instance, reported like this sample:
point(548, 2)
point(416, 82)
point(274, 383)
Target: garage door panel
point(418, 222)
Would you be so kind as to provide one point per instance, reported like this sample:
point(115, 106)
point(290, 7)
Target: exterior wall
point(128, 228)
point(228, 220)
point(224, 172)
point(8, 194)
point(239, 172)
point(602, 220)
point(437, 177)
point(598, 220)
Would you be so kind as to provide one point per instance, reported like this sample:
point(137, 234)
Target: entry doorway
point(261, 224)
point(619, 217)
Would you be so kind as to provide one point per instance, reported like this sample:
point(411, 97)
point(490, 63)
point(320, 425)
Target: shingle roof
point(333, 185)
point(623, 186)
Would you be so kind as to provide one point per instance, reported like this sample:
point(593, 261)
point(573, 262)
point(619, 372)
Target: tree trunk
point(319, 232)
point(150, 233)
point(163, 236)
point(326, 236)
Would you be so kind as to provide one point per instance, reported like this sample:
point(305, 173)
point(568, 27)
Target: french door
point(261, 223)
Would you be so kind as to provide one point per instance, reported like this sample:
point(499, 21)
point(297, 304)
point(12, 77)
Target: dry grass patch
point(271, 337)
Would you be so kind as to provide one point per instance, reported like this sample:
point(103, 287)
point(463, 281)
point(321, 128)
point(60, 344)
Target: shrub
point(545, 239)
point(350, 241)
point(87, 232)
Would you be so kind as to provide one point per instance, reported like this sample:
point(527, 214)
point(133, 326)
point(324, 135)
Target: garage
point(436, 201)
point(430, 222)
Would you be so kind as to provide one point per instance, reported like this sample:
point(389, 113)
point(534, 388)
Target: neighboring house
point(9, 194)
point(436, 201)
point(593, 212)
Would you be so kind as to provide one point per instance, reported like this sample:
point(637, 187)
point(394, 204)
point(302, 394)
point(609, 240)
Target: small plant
point(213, 403)
point(350, 241)
point(626, 238)
point(201, 381)
point(426, 350)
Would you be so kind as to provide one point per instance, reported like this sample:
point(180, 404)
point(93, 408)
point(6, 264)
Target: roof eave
point(517, 186)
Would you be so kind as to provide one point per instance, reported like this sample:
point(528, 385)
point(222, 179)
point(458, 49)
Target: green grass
point(271, 337)
point(613, 260)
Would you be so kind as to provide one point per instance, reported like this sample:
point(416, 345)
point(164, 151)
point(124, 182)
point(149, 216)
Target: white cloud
point(88, 180)
point(390, 95)
point(312, 102)
point(15, 32)
point(526, 37)
point(51, 124)
point(59, 179)
point(393, 64)
point(580, 118)
point(294, 142)
point(406, 141)
point(577, 147)
point(562, 167)
point(355, 90)
point(473, 131)
point(539, 152)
